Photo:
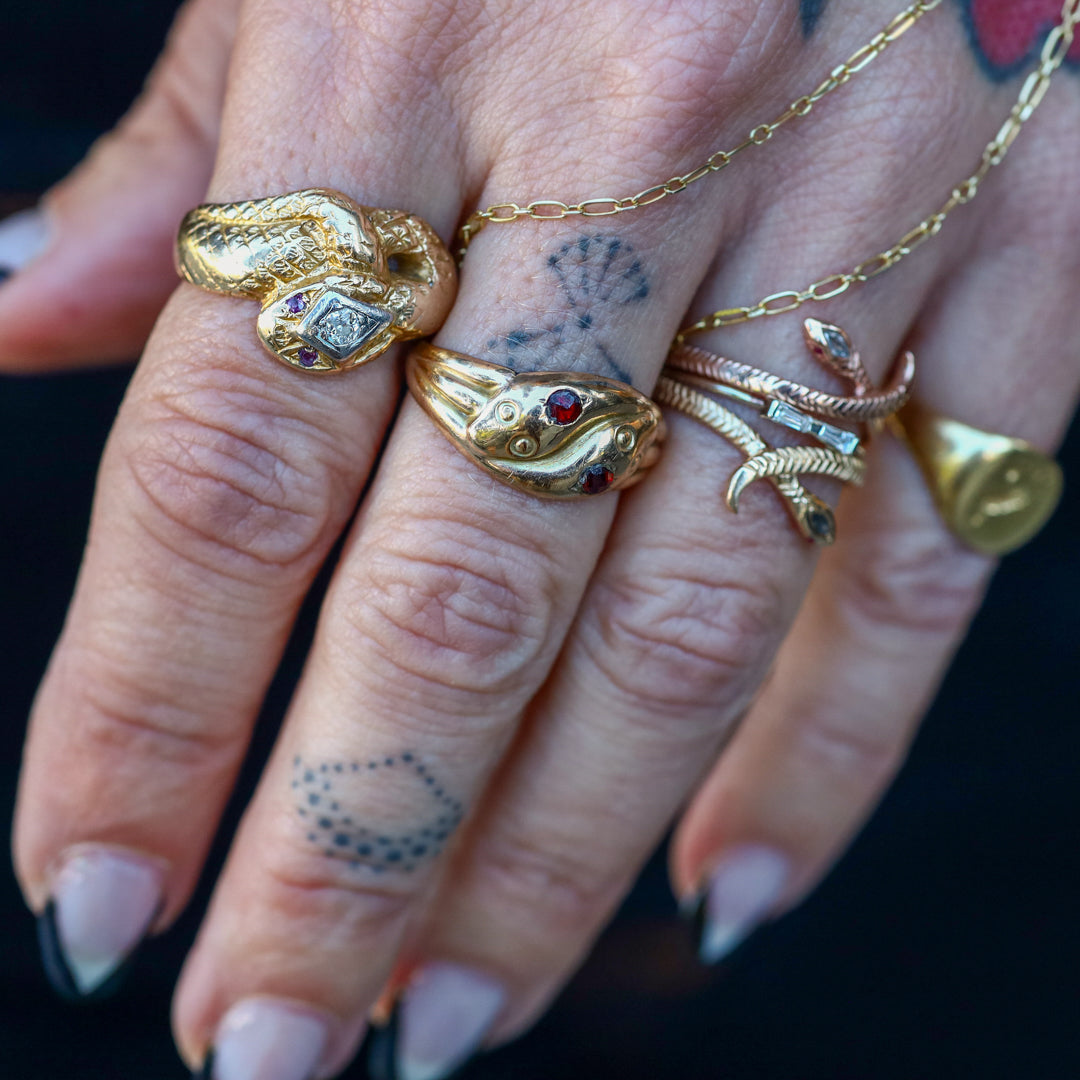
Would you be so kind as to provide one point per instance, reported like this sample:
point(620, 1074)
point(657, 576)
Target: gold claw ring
point(556, 434)
point(338, 282)
point(693, 378)
point(994, 493)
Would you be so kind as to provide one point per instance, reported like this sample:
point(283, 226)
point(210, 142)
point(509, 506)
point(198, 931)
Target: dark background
point(944, 945)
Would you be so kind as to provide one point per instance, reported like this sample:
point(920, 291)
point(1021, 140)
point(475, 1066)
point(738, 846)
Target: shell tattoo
point(338, 282)
point(692, 375)
point(555, 434)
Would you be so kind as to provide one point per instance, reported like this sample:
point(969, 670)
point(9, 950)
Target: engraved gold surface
point(338, 282)
point(502, 420)
point(995, 493)
point(691, 375)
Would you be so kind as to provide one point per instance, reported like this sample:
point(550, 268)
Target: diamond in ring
point(338, 326)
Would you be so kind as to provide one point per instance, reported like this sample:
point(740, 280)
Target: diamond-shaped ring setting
point(338, 326)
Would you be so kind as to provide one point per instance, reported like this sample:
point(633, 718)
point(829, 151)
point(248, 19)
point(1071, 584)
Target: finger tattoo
point(381, 814)
point(592, 277)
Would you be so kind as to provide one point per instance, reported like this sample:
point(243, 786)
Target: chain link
point(544, 209)
point(1053, 54)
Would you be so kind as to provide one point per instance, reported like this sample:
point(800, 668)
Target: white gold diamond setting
point(338, 326)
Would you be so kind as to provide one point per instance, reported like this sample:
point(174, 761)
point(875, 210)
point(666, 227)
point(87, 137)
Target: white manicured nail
point(265, 1039)
point(742, 890)
point(445, 1014)
point(103, 904)
point(23, 237)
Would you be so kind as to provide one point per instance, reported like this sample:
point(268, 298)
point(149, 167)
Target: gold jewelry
point(553, 209)
point(994, 493)
point(692, 374)
point(1054, 52)
point(339, 282)
point(556, 434)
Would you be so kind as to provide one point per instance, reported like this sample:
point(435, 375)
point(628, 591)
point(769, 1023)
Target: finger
point(446, 614)
point(892, 601)
point(678, 630)
point(86, 273)
point(226, 480)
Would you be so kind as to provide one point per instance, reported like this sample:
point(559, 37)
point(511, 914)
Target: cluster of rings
point(340, 283)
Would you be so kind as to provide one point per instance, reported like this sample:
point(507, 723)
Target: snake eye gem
point(596, 480)
point(563, 407)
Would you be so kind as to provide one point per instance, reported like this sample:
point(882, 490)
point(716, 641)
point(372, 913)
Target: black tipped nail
point(693, 914)
point(52, 956)
point(58, 971)
point(207, 1071)
point(381, 1051)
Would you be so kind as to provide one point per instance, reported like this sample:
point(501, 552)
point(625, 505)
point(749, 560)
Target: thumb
point(83, 276)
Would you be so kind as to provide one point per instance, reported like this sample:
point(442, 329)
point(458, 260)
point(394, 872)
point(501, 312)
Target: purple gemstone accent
point(296, 303)
point(307, 356)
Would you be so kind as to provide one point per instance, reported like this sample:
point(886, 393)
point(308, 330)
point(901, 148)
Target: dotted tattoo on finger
point(321, 789)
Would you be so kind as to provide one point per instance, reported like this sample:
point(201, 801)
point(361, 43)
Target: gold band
point(339, 283)
point(555, 434)
point(994, 493)
point(692, 375)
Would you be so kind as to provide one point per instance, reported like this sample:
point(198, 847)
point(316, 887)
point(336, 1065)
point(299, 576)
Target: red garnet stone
point(564, 406)
point(596, 479)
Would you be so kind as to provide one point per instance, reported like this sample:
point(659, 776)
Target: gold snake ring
point(338, 282)
point(555, 434)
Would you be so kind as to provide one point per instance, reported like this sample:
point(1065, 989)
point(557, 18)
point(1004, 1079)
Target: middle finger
point(448, 611)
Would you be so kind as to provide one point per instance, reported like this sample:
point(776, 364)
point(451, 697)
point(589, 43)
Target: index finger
point(226, 480)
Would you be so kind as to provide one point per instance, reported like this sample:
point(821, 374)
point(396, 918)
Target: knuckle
point(674, 640)
point(457, 607)
point(222, 477)
point(124, 720)
point(852, 747)
point(552, 881)
point(919, 578)
point(302, 883)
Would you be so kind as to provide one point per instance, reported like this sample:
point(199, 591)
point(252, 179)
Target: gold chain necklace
point(1052, 56)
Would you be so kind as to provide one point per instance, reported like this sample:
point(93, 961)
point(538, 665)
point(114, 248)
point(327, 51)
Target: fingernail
point(741, 892)
point(441, 1021)
point(103, 905)
point(264, 1039)
point(23, 237)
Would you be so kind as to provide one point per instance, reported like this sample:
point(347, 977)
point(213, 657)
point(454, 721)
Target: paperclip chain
point(1053, 54)
point(552, 209)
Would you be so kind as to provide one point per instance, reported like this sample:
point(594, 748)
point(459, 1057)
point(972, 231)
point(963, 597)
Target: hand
point(228, 478)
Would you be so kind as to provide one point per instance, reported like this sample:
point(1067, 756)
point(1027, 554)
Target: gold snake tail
point(795, 461)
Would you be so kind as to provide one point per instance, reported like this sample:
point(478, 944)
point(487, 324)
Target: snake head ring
point(556, 434)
